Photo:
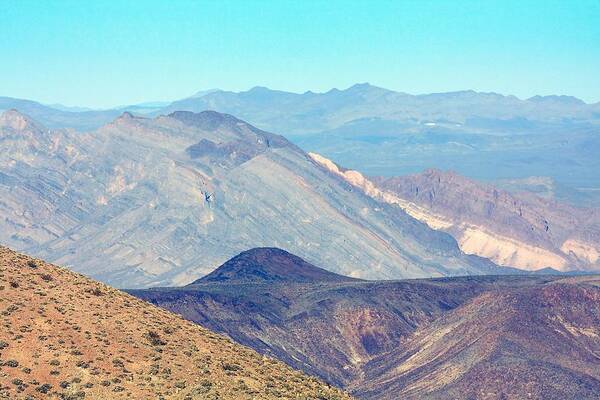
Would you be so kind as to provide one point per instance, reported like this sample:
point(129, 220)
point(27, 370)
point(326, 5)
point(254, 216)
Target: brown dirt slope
point(68, 337)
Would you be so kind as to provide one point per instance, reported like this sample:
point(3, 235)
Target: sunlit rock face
point(518, 230)
point(142, 202)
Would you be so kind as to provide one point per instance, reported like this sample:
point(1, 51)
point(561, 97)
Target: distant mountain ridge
point(311, 112)
point(59, 118)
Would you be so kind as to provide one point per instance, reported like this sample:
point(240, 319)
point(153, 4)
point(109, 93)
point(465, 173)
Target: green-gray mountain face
point(142, 202)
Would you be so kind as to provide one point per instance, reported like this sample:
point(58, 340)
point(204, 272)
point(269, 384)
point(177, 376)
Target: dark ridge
point(552, 271)
point(206, 120)
point(269, 264)
point(212, 120)
point(235, 152)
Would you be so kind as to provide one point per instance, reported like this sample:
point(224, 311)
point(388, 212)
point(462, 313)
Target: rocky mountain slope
point(445, 338)
point(65, 336)
point(162, 201)
point(516, 229)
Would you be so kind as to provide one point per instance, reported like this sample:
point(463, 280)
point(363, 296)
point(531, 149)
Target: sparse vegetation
point(96, 291)
point(230, 367)
point(45, 388)
point(155, 339)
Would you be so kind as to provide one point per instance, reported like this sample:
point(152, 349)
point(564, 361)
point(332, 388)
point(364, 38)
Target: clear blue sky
point(106, 53)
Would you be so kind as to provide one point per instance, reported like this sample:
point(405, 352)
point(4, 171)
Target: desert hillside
point(444, 338)
point(67, 337)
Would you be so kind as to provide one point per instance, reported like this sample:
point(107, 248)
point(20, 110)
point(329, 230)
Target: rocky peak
point(127, 115)
point(259, 89)
point(17, 121)
point(269, 264)
point(250, 141)
point(439, 177)
point(366, 89)
point(126, 119)
point(360, 86)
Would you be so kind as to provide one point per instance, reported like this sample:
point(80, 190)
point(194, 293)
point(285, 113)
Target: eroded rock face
point(12, 119)
point(519, 230)
point(145, 202)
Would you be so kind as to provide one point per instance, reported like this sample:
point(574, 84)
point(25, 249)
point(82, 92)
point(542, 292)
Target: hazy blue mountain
point(309, 112)
point(294, 113)
point(200, 93)
point(62, 107)
point(56, 118)
point(485, 136)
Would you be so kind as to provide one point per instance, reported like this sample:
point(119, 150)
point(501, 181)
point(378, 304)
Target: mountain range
point(292, 113)
point(491, 337)
point(304, 113)
point(160, 201)
point(485, 136)
point(65, 336)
